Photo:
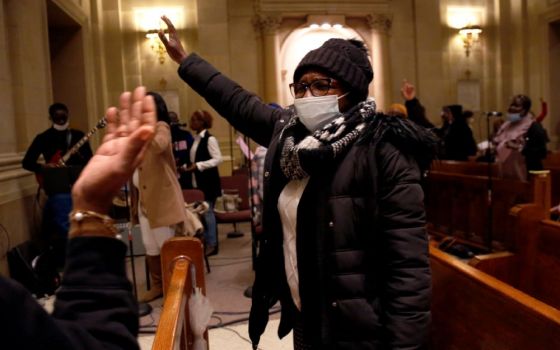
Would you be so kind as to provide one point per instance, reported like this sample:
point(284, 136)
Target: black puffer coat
point(361, 244)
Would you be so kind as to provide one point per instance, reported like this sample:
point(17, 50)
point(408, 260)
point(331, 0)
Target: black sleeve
point(417, 113)
point(29, 161)
point(94, 307)
point(86, 152)
point(243, 110)
point(472, 148)
point(535, 146)
point(406, 289)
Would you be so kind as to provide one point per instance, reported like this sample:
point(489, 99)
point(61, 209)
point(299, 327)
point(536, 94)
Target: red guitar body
point(60, 160)
point(54, 160)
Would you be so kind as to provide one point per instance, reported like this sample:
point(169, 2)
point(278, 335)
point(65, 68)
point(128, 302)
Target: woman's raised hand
point(129, 132)
point(408, 91)
point(173, 45)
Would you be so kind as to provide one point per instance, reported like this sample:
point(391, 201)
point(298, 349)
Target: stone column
point(268, 27)
point(380, 25)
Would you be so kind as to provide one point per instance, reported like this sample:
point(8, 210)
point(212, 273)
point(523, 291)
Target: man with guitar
point(56, 145)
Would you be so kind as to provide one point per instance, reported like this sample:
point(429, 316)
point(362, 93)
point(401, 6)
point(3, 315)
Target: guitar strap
point(68, 139)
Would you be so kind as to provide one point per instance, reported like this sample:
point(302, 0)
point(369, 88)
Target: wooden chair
point(195, 195)
point(238, 184)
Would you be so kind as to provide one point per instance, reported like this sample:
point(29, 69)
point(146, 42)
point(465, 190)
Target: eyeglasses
point(319, 87)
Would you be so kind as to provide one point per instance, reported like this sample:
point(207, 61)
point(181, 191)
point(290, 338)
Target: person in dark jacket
point(344, 246)
point(458, 141)
point(94, 307)
point(205, 156)
point(182, 143)
point(52, 145)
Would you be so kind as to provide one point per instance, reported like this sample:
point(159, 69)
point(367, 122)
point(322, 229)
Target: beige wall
point(514, 56)
point(26, 87)
point(24, 98)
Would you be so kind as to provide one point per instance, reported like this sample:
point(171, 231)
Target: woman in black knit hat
point(344, 247)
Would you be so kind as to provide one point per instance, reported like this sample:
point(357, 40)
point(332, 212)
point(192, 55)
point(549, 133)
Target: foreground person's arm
point(94, 306)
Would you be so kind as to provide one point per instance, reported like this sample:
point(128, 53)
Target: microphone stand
point(143, 308)
point(489, 201)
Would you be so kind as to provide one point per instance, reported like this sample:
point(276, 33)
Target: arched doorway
point(298, 44)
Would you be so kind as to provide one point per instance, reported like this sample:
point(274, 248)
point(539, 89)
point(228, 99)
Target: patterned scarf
point(303, 154)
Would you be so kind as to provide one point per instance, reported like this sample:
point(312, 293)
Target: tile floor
point(231, 274)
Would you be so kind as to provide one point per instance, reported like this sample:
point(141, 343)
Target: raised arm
point(94, 307)
point(243, 110)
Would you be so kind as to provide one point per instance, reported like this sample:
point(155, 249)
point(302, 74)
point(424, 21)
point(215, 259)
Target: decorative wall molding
point(308, 7)
point(15, 182)
point(75, 9)
point(266, 24)
point(380, 22)
point(10, 166)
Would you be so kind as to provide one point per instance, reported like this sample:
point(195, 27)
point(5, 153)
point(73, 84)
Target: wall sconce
point(148, 21)
point(470, 35)
point(156, 45)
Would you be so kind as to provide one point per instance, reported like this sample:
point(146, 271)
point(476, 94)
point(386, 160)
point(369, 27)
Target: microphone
point(493, 114)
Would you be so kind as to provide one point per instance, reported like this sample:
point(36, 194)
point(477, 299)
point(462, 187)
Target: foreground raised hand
point(173, 45)
point(129, 131)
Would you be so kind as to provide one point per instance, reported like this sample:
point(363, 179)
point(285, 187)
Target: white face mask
point(316, 112)
point(61, 127)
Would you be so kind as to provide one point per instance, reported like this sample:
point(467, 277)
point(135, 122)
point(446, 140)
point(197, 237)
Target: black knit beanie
point(345, 60)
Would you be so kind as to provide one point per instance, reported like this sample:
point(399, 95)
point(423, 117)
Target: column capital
point(266, 24)
point(380, 22)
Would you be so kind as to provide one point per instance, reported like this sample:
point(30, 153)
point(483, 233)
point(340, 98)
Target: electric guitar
point(60, 161)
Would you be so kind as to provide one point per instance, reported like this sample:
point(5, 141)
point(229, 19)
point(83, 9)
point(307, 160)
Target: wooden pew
point(552, 163)
point(545, 280)
point(473, 310)
point(538, 254)
point(457, 204)
point(466, 167)
point(177, 256)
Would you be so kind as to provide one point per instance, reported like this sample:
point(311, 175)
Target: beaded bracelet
point(90, 223)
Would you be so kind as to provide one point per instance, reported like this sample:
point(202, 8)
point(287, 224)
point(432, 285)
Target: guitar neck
point(80, 143)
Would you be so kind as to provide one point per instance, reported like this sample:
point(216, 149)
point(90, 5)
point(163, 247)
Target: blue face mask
point(514, 117)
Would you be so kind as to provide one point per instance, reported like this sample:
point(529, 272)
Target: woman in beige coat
point(158, 204)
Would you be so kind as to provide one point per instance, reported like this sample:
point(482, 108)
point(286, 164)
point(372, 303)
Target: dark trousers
point(56, 224)
point(299, 340)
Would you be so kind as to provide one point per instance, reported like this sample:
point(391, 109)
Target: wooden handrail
point(171, 321)
point(178, 254)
